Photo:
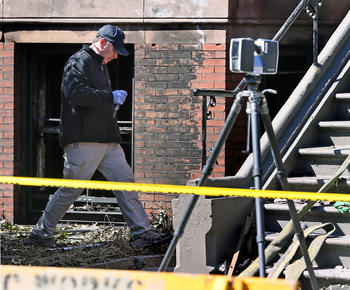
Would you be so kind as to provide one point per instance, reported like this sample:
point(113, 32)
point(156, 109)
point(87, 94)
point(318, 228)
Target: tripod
point(256, 106)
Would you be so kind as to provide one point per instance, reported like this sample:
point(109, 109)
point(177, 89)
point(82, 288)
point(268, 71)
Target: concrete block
point(64, 36)
point(186, 9)
point(185, 36)
point(211, 233)
point(73, 8)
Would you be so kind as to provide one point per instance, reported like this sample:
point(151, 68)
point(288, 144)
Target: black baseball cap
point(114, 35)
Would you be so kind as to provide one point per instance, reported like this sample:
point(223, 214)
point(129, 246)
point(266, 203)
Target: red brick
point(202, 85)
point(220, 69)
point(140, 85)
point(210, 46)
point(145, 180)
point(5, 186)
point(184, 92)
point(220, 54)
point(6, 143)
point(204, 69)
point(6, 99)
point(7, 112)
point(9, 135)
point(7, 207)
point(9, 45)
point(140, 54)
point(6, 53)
point(164, 197)
point(7, 201)
point(214, 62)
point(8, 164)
point(195, 175)
point(6, 171)
point(152, 121)
point(167, 46)
point(6, 127)
point(7, 193)
point(216, 123)
point(146, 197)
point(220, 85)
point(8, 106)
point(6, 68)
point(8, 119)
point(6, 84)
point(204, 54)
point(8, 76)
point(9, 60)
point(8, 150)
point(213, 77)
point(6, 157)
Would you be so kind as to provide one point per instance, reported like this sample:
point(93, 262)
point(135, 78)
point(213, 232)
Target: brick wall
point(167, 115)
point(7, 128)
point(210, 74)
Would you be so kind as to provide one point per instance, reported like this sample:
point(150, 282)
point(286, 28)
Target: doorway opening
point(41, 69)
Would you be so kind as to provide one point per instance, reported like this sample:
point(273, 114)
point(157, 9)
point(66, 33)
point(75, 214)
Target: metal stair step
point(331, 265)
point(336, 132)
point(339, 241)
point(329, 276)
point(335, 241)
point(317, 180)
point(335, 125)
point(329, 151)
point(94, 216)
point(277, 216)
point(314, 183)
point(320, 161)
point(342, 97)
point(338, 245)
point(317, 208)
point(94, 209)
point(337, 276)
point(94, 199)
point(342, 106)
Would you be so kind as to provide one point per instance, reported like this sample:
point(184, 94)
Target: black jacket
point(86, 101)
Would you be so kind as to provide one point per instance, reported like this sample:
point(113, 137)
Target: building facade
point(175, 47)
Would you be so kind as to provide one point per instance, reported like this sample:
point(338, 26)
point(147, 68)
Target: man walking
point(90, 137)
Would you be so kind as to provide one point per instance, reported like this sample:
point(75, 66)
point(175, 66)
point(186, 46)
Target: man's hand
point(119, 97)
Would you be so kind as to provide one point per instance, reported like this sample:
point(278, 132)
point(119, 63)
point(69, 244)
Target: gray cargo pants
point(81, 160)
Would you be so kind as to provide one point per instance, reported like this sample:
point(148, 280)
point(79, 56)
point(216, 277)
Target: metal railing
point(311, 8)
point(208, 168)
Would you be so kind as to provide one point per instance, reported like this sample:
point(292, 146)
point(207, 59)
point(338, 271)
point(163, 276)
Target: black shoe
point(149, 239)
point(36, 240)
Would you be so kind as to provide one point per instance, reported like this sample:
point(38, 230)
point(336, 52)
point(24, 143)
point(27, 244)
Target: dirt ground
point(77, 245)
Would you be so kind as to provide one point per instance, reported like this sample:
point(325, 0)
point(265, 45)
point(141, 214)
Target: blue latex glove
point(119, 97)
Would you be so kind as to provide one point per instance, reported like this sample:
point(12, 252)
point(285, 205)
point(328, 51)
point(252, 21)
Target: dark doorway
point(41, 68)
point(293, 63)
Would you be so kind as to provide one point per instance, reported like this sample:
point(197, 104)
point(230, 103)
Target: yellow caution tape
point(54, 278)
point(163, 188)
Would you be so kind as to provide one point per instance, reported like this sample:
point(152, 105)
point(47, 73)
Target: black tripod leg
point(259, 210)
point(281, 174)
point(207, 170)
